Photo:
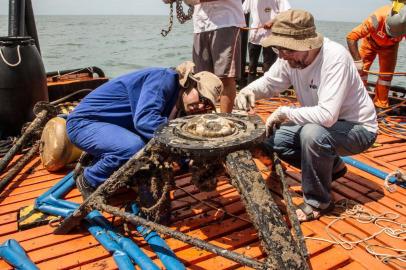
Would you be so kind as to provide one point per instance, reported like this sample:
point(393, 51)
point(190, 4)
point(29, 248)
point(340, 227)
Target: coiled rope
point(355, 211)
point(393, 126)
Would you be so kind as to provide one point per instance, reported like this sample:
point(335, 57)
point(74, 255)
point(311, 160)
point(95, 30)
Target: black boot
point(339, 174)
point(84, 187)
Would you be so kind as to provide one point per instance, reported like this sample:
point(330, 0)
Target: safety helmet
point(396, 21)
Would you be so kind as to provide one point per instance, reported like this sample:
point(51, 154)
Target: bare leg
point(228, 95)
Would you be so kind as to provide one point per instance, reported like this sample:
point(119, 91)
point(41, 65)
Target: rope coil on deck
point(353, 210)
point(393, 126)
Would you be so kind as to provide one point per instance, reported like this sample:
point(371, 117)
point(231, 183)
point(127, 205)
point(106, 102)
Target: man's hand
point(274, 120)
point(245, 100)
point(359, 64)
point(168, 1)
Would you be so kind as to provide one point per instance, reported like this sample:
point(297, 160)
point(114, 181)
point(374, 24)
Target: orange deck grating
point(79, 250)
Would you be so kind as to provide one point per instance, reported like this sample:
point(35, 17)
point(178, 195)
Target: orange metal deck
point(79, 250)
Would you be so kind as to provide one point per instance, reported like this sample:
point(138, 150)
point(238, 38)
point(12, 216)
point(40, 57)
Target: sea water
point(120, 44)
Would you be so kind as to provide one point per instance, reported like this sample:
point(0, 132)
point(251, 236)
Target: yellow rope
point(357, 212)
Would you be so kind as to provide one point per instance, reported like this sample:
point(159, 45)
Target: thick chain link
point(180, 15)
point(165, 32)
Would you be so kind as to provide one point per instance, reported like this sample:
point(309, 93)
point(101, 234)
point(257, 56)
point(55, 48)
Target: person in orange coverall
point(381, 33)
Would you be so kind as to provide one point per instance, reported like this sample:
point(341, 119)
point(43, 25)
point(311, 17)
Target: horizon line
point(325, 20)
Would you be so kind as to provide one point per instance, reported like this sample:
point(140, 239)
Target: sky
point(324, 10)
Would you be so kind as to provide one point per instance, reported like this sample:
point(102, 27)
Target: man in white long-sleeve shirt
point(336, 117)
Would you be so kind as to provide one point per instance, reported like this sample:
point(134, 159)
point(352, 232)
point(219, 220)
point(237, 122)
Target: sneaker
point(84, 187)
point(339, 174)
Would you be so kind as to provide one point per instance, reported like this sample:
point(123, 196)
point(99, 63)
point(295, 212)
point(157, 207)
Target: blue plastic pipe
point(51, 203)
point(119, 256)
point(15, 255)
point(120, 247)
point(60, 189)
point(123, 243)
point(158, 245)
point(374, 171)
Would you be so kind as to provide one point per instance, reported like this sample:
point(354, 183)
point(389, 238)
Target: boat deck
point(192, 215)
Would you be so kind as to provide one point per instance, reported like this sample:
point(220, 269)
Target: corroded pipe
point(137, 220)
point(117, 180)
point(43, 111)
point(20, 164)
point(290, 208)
point(277, 241)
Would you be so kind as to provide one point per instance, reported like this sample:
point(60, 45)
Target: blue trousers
point(110, 145)
point(316, 150)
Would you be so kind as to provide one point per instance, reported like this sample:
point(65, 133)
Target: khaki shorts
point(218, 51)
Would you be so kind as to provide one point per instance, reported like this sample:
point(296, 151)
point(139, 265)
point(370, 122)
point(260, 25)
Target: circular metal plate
point(210, 135)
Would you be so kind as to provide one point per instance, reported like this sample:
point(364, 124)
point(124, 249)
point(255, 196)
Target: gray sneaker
point(84, 187)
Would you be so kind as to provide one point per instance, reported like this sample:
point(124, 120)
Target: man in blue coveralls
point(117, 119)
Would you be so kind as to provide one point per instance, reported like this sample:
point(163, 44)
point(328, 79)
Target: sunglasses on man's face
point(207, 104)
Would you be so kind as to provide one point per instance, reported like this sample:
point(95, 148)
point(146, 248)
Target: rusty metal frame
point(282, 249)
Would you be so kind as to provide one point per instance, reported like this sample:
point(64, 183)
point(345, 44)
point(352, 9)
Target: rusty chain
point(165, 32)
point(180, 15)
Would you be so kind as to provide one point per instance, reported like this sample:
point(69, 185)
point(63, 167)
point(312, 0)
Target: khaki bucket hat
point(184, 70)
point(295, 30)
point(209, 85)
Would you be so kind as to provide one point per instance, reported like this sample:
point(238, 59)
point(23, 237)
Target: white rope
point(383, 256)
point(357, 212)
point(400, 177)
point(9, 64)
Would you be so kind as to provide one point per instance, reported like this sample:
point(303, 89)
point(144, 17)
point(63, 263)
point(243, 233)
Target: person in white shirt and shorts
point(262, 12)
point(217, 43)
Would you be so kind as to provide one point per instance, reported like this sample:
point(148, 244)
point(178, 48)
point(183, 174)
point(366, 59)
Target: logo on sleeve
point(381, 34)
point(313, 86)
